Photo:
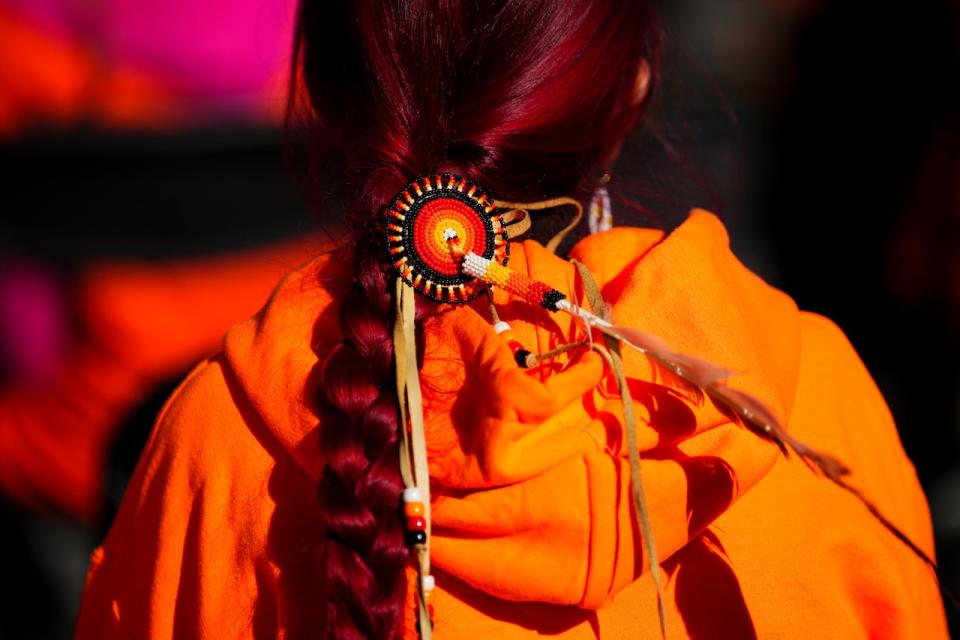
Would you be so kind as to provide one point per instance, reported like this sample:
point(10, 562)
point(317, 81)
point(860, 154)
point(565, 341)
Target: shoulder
point(190, 545)
point(832, 368)
point(193, 483)
point(840, 409)
point(835, 383)
point(825, 339)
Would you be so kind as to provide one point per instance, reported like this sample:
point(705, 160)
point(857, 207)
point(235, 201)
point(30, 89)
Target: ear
point(641, 86)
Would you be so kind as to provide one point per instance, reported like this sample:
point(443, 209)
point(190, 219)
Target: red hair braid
point(526, 97)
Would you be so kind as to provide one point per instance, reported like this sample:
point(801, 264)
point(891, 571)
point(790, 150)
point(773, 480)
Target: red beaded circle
point(439, 217)
point(432, 223)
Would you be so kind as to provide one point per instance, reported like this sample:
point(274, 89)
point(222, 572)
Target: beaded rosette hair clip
point(430, 218)
point(449, 241)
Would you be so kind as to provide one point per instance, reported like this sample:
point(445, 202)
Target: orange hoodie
point(533, 533)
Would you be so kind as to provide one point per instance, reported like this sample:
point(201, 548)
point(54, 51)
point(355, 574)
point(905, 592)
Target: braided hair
point(526, 97)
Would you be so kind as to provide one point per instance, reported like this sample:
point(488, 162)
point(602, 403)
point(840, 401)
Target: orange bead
point(413, 509)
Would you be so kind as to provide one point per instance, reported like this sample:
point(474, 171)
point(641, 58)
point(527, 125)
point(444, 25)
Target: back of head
point(528, 98)
point(525, 97)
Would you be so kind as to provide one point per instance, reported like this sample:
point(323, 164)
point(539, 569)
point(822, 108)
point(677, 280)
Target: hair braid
point(525, 97)
point(363, 554)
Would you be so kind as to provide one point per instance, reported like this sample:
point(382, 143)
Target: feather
point(750, 412)
point(710, 380)
point(693, 374)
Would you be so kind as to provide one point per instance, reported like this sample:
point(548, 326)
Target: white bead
point(428, 583)
point(412, 494)
point(501, 326)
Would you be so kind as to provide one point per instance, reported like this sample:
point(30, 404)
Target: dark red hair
point(526, 97)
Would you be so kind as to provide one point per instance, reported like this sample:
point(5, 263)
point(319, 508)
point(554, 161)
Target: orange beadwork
point(430, 226)
point(441, 220)
point(533, 291)
point(413, 509)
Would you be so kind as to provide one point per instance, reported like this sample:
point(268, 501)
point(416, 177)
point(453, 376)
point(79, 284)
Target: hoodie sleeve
point(179, 560)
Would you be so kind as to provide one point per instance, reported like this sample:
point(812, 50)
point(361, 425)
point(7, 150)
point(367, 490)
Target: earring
point(600, 217)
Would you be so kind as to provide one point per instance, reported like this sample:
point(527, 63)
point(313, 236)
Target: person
point(268, 500)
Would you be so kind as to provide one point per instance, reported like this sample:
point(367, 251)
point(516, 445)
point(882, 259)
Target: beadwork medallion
point(432, 223)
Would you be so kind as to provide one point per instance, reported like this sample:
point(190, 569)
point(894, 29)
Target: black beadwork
point(414, 538)
point(550, 300)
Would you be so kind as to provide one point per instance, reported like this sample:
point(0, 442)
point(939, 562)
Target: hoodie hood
point(528, 467)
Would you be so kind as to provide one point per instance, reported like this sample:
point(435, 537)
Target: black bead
point(550, 300)
point(521, 357)
point(416, 537)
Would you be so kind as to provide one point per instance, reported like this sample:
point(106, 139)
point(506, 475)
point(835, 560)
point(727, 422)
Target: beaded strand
point(414, 514)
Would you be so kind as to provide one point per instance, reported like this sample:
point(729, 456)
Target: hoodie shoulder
point(276, 354)
point(835, 388)
point(206, 490)
point(193, 482)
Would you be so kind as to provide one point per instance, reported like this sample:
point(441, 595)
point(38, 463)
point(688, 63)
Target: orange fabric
point(532, 527)
point(142, 324)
